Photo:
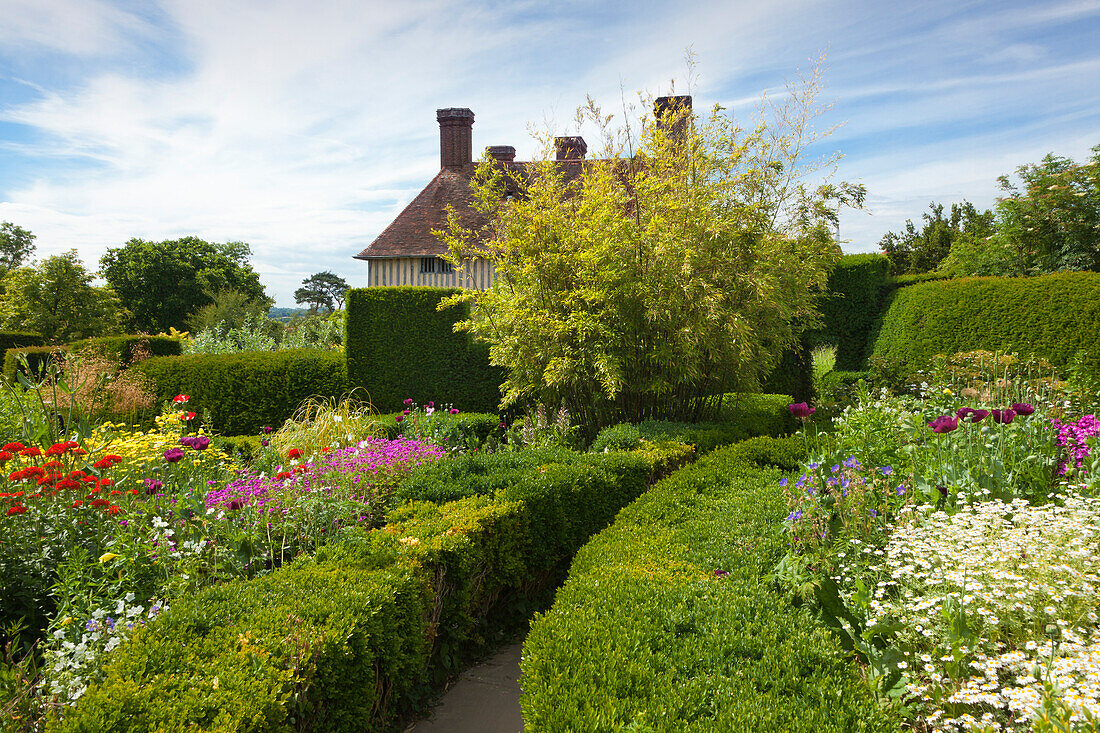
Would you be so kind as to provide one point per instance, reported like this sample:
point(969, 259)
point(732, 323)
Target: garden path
point(484, 699)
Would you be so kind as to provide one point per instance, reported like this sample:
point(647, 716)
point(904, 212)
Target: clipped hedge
point(851, 306)
point(399, 345)
point(668, 621)
point(794, 375)
point(1052, 316)
point(122, 348)
point(354, 638)
point(38, 359)
point(246, 391)
point(19, 339)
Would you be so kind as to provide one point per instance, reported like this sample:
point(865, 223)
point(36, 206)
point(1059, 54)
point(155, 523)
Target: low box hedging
point(399, 345)
point(246, 391)
point(1052, 316)
point(352, 639)
point(19, 339)
point(668, 620)
point(37, 358)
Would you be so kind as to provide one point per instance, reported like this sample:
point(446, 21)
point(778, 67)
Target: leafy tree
point(164, 283)
point(915, 251)
point(229, 309)
point(679, 266)
point(16, 245)
point(57, 299)
point(1051, 221)
point(322, 291)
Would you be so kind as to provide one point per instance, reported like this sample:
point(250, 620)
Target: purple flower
point(198, 442)
point(1023, 409)
point(454, 410)
point(800, 410)
point(267, 429)
point(795, 515)
point(173, 455)
point(873, 513)
point(152, 485)
point(265, 442)
point(782, 482)
point(1005, 416)
point(901, 491)
point(399, 418)
point(978, 415)
point(887, 470)
point(409, 401)
point(962, 412)
point(721, 573)
point(944, 424)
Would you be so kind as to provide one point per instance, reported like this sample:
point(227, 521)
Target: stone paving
point(484, 699)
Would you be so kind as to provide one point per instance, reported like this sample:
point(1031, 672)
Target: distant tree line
point(1046, 220)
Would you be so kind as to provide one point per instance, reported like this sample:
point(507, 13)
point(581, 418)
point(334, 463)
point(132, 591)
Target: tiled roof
point(410, 234)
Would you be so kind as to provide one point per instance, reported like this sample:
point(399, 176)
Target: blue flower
point(92, 625)
point(887, 470)
point(810, 491)
point(783, 482)
point(831, 481)
point(852, 462)
point(795, 515)
point(901, 491)
point(835, 468)
point(874, 513)
point(813, 466)
point(845, 482)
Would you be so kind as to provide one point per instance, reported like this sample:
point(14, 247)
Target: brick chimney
point(569, 148)
point(456, 141)
point(672, 114)
point(502, 153)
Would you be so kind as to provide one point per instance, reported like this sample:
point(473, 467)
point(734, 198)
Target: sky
point(303, 128)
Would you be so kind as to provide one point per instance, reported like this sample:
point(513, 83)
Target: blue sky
point(303, 128)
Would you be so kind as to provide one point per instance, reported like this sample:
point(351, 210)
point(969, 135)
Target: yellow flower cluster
point(142, 450)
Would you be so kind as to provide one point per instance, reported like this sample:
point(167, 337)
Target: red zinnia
point(56, 449)
point(67, 483)
point(76, 475)
point(97, 503)
point(294, 453)
point(106, 482)
point(17, 475)
point(282, 475)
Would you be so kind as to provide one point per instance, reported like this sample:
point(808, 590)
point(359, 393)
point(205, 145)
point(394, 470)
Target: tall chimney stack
point(456, 140)
point(569, 148)
point(672, 115)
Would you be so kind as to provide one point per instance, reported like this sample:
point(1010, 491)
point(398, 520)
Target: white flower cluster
point(76, 651)
point(991, 602)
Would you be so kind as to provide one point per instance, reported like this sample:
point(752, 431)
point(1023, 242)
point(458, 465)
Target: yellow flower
point(948, 392)
point(107, 557)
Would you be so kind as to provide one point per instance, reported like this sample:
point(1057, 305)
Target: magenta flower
point(978, 415)
point(1023, 409)
point(409, 401)
point(1005, 416)
point(454, 410)
point(173, 455)
point(399, 418)
point(800, 410)
point(944, 424)
point(962, 412)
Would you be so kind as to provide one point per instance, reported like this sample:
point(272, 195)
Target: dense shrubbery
point(399, 345)
point(851, 306)
point(667, 621)
point(245, 392)
point(1054, 317)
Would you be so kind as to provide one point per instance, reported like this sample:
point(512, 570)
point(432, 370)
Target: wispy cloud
point(303, 128)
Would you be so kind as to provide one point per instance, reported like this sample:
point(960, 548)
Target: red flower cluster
point(294, 453)
point(51, 478)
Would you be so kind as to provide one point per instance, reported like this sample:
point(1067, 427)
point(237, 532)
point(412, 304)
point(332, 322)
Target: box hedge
point(669, 622)
point(246, 391)
point(399, 345)
point(1052, 316)
point(19, 339)
point(353, 638)
point(37, 360)
point(123, 348)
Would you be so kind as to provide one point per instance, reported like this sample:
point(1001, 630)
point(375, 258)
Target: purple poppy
point(399, 418)
point(944, 424)
point(1005, 416)
point(800, 409)
point(265, 442)
point(267, 429)
point(173, 455)
point(1023, 409)
point(962, 412)
point(409, 401)
point(978, 415)
point(454, 410)
point(201, 442)
point(152, 485)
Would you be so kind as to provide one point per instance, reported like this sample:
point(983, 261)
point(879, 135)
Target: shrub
point(623, 436)
point(851, 306)
point(1053, 317)
point(399, 345)
point(19, 339)
point(38, 359)
point(247, 391)
point(668, 622)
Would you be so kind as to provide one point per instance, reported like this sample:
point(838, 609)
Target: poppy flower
point(962, 412)
point(173, 455)
point(281, 475)
point(294, 453)
point(153, 485)
point(181, 398)
point(399, 418)
point(17, 509)
point(1023, 409)
point(800, 409)
point(185, 416)
point(944, 424)
point(409, 401)
point(1005, 416)
point(267, 429)
point(454, 410)
point(978, 415)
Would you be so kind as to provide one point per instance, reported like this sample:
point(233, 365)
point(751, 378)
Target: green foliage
point(229, 309)
point(125, 348)
point(794, 374)
point(57, 299)
point(322, 291)
point(851, 306)
point(657, 275)
point(318, 648)
point(475, 474)
point(247, 447)
point(247, 391)
point(1053, 316)
point(37, 359)
point(912, 251)
point(19, 339)
point(399, 345)
point(668, 621)
point(164, 283)
point(623, 436)
point(16, 245)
